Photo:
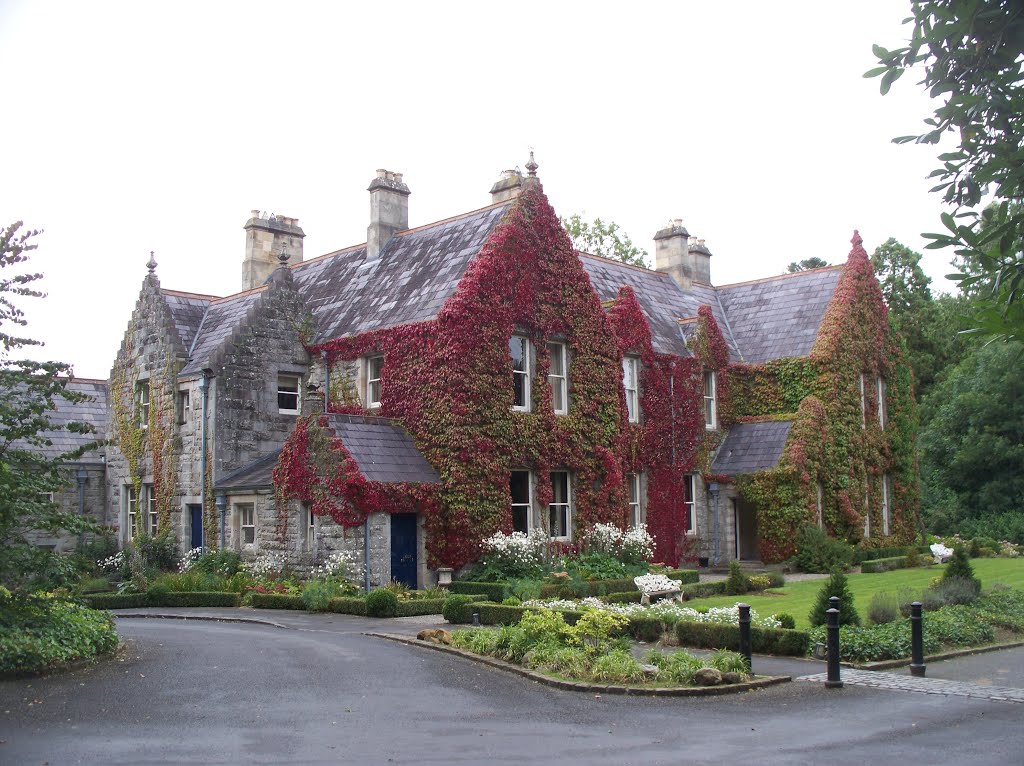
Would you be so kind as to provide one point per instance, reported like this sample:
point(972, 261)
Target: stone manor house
point(407, 397)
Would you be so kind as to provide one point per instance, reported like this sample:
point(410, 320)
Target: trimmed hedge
point(116, 600)
point(347, 605)
point(416, 607)
point(277, 601)
point(495, 591)
point(458, 609)
point(649, 629)
point(630, 597)
point(704, 635)
point(702, 590)
point(874, 566)
point(504, 614)
point(604, 587)
point(194, 598)
point(873, 554)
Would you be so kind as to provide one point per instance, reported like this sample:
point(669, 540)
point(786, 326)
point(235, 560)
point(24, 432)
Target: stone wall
point(68, 500)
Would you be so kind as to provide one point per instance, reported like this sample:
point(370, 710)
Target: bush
point(872, 554)
point(999, 526)
point(817, 552)
point(959, 626)
point(737, 584)
point(876, 642)
point(276, 601)
point(317, 595)
point(38, 634)
point(190, 581)
point(417, 607)
point(649, 629)
point(381, 603)
point(618, 667)
point(836, 585)
point(707, 635)
point(629, 597)
point(602, 587)
point(455, 608)
point(959, 567)
point(786, 621)
point(116, 600)
point(211, 598)
point(702, 590)
point(223, 562)
point(347, 605)
point(494, 591)
point(884, 608)
point(875, 566)
point(948, 591)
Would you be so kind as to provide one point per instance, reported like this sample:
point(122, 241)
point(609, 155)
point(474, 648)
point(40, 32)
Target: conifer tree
point(836, 585)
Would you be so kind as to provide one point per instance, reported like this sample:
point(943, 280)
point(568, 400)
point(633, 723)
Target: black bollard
point(833, 602)
point(745, 641)
point(916, 640)
point(832, 640)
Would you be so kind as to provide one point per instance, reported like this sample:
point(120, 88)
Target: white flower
point(190, 558)
point(669, 611)
point(265, 564)
point(112, 563)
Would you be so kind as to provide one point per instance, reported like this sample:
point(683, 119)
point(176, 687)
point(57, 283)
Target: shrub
point(884, 608)
point(617, 666)
point(677, 667)
point(455, 608)
point(419, 606)
point(786, 621)
point(381, 603)
point(492, 591)
point(199, 598)
point(629, 597)
point(913, 557)
point(737, 584)
point(727, 661)
point(702, 589)
point(876, 642)
point(836, 585)
point(817, 552)
point(706, 635)
point(596, 566)
point(116, 600)
point(959, 626)
point(959, 567)
point(954, 590)
point(594, 629)
point(275, 601)
point(649, 629)
point(37, 634)
point(347, 605)
point(513, 556)
point(317, 595)
point(189, 581)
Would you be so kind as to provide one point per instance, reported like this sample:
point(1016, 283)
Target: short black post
point(745, 641)
point(833, 602)
point(476, 619)
point(916, 640)
point(833, 681)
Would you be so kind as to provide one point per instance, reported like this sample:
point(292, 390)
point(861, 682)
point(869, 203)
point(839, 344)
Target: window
point(288, 394)
point(142, 398)
point(183, 402)
point(247, 523)
point(560, 510)
point(689, 503)
point(631, 382)
point(709, 400)
point(633, 480)
point(374, 367)
point(867, 508)
point(558, 377)
point(310, 528)
point(519, 487)
point(821, 506)
point(151, 513)
point(863, 403)
point(46, 497)
point(886, 511)
point(131, 505)
point(519, 348)
point(880, 386)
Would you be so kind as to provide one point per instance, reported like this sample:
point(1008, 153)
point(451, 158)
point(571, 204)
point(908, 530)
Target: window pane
point(517, 347)
point(288, 392)
point(560, 487)
point(519, 485)
point(556, 352)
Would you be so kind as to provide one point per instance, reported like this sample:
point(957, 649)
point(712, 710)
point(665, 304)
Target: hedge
point(494, 591)
point(416, 607)
point(703, 589)
point(871, 554)
point(116, 600)
point(458, 609)
point(504, 614)
point(875, 566)
point(347, 605)
point(604, 587)
point(649, 629)
point(629, 597)
point(194, 598)
point(276, 601)
point(705, 635)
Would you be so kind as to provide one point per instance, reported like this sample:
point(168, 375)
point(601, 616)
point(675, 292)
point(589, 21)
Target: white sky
point(139, 126)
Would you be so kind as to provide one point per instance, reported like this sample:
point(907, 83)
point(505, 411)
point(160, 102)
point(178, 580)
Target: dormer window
point(288, 394)
point(631, 383)
point(374, 368)
point(710, 402)
point(558, 377)
point(519, 349)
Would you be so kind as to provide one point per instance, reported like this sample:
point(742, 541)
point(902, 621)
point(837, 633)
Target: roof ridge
point(617, 262)
point(492, 206)
point(240, 294)
point(76, 379)
point(834, 267)
point(187, 294)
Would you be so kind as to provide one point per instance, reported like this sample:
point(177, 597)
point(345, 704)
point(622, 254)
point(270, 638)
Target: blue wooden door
point(403, 548)
point(196, 514)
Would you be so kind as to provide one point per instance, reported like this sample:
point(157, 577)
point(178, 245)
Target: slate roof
point(751, 447)
point(417, 271)
point(93, 411)
point(778, 317)
point(187, 310)
point(222, 318)
point(383, 450)
point(257, 475)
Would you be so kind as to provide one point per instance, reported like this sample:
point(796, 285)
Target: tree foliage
point(806, 265)
point(970, 52)
point(29, 392)
point(605, 239)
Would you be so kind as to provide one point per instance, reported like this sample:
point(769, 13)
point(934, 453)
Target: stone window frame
point(559, 381)
point(563, 507)
point(690, 503)
point(184, 404)
point(710, 400)
point(527, 505)
point(524, 374)
point(283, 376)
point(372, 382)
point(634, 483)
point(631, 370)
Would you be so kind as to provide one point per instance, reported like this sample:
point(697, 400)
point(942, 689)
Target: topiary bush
point(959, 567)
point(817, 552)
point(381, 603)
point(836, 585)
point(738, 583)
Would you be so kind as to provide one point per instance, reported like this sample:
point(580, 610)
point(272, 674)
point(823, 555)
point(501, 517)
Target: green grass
point(797, 598)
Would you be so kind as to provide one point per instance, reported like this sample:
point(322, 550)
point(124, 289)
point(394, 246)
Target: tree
point(806, 265)
point(970, 52)
point(604, 239)
point(29, 391)
point(835, 585)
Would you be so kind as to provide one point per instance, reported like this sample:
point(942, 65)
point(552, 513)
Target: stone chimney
point(700, 261)
point(672, 253)
point(389, 211)
point(507, 187)
point(266, 238)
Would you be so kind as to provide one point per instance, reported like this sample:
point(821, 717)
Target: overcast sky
point(139, 126)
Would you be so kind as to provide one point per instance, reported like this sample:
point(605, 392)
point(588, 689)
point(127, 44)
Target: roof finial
point(531, 166)
point(283, 256)
point(151, 265)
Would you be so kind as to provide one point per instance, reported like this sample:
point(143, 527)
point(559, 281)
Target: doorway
point(195, 514)
point(403, 548)
point(745, 517)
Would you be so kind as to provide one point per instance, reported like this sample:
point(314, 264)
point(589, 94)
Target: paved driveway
point(191, 691)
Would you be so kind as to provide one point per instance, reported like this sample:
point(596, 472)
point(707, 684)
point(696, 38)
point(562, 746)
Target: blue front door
point(196, 514)
point(403, 548)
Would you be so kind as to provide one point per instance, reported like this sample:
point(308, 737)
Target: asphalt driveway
point(215, 692)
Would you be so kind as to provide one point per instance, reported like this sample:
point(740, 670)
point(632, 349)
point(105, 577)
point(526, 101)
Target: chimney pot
point(266, 240)
point(389, 211)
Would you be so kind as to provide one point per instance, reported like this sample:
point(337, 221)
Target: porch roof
point(751, 447)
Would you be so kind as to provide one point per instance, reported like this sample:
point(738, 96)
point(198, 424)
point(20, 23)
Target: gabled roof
point(223, 316)
point(259, 474)
point(779, 316)
point(751, 447)
point(417, 271)
point(187, 310)
point(92, 411)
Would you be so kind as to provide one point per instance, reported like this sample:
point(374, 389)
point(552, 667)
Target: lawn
point(797, 598)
